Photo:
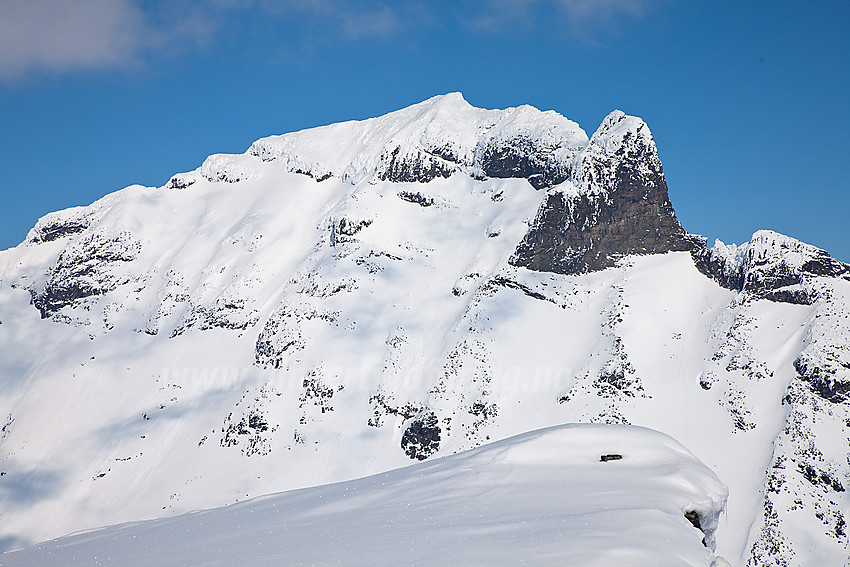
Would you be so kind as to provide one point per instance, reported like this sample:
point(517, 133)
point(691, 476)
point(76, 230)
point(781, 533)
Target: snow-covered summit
point(434, 138)
point(620, 140)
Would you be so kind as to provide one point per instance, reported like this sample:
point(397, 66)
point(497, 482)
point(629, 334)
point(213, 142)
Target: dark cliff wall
point(622, 207)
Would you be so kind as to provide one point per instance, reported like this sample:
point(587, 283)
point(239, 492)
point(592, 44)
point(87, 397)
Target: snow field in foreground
point(541, 498)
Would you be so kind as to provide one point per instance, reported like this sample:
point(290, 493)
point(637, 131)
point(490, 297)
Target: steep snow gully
point(433, 292)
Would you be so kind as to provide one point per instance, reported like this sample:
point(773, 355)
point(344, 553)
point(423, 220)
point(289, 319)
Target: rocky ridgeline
point(606, 198)
point(771, 266)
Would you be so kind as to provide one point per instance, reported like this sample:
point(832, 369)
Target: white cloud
point(69, 35)
point(60, 35)
point(66, 35)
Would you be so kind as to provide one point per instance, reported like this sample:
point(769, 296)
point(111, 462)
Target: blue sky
point(747, 100)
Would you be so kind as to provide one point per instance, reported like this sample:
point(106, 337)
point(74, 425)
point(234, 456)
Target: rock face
point(523, 156)
point(616, 205)
point(770, 266)
point(56, 227)
point(421, 439)
point(83, 271)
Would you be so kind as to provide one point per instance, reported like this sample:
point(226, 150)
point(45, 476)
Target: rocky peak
point(770, 266)
point(621, 142)
point(615, 205)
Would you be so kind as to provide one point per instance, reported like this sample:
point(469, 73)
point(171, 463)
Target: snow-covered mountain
point(350, 299)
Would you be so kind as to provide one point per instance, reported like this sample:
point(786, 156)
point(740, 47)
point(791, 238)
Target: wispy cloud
point(581, 18)
point(382, 21)
point(351, 19)
point(65, 35)
point(498, 14)
point(68, 35)
point(57, 35)
point(582, 13)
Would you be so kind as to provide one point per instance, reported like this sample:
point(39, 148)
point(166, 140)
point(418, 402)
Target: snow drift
point(549, 497)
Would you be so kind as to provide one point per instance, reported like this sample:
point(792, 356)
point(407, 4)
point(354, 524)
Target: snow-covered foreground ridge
point(338, 301)
point(589, 495)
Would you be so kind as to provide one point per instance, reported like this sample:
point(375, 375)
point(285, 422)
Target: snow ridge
point(546, 496)
point(435, 138)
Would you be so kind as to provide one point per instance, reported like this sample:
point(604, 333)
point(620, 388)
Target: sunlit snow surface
point(542, 498)
point(152, 396)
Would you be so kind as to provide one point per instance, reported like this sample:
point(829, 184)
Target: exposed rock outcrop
point(83, 270)
point(616, 205)
point(56, 226)
point(769, 266)
point(421, 439)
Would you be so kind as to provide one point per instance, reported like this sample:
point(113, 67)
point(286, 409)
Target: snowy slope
point(543, 498)
point(343, 301)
